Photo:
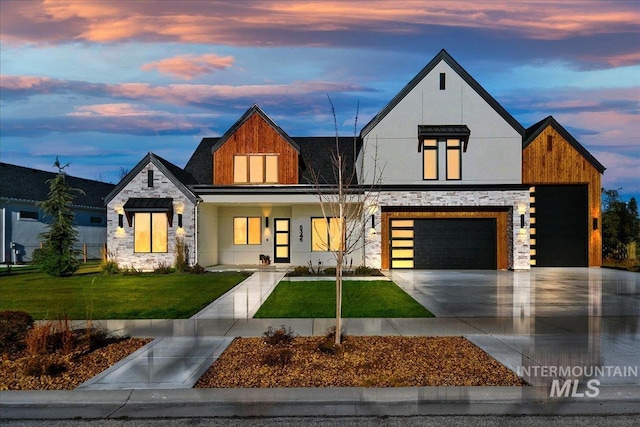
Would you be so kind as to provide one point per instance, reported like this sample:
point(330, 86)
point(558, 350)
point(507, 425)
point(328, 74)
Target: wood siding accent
point(563, 164)
point(502, 238)
point(255, 136)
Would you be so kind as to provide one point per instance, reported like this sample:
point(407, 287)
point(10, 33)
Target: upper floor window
point(430, 159)
point(454, 159)
point(255, 169)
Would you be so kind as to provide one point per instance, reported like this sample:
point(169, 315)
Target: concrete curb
point(298, 402)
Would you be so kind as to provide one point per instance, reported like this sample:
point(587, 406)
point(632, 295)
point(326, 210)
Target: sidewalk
point(156, 380)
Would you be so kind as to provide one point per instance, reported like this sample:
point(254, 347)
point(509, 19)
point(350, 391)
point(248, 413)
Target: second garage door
point(444, 243)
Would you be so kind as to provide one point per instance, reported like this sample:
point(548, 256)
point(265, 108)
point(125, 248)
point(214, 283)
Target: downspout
point(4, 231)
point(195, 235)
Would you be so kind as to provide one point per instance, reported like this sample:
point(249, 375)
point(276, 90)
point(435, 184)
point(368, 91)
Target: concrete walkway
point(529, 321)
point(178, 361)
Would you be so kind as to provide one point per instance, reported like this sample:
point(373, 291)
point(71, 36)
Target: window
point(430, 159)
point(150, 178)
point(150, 232)
point(325, 234)
point(255, 168)
point(454, 159)
point(28, 215)
point(247, 231)
point(443, 80)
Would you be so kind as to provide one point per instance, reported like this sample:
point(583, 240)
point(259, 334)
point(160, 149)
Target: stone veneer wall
point(516, 200)
point(120, 241)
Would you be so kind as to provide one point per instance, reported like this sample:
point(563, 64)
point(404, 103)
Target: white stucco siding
point(120, 241)
point(215, 234)
point(494, 149)
point(207, 234)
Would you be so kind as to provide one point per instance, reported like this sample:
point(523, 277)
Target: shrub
point(14, 326)
point(280, 336)
point(36, 366)
point(109, 267)
point(301, 270)
point(363, 270)
point(278, 357)
point(197, 269)
point(130, 271)
point(163, 268)
point(37, 339)
point(330, 271)
point(182, 255)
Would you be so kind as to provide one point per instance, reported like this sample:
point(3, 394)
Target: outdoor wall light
point(120, 221)
point(373, 221)
point(521, 220)
point(179, 220)
point(595, 223)
point(266, 221)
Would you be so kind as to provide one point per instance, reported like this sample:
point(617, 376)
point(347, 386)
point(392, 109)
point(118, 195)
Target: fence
point(86, 252)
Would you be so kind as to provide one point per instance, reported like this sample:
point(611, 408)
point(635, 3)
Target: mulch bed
point(75, 367)
point(368, 361)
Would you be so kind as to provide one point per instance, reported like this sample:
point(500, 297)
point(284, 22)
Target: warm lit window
point(255, 169)
point(247, 231)
point(454, 159)
point(325, 234)
point(430, 159)
point(150, 232)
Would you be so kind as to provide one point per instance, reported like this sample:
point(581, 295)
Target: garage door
point(443, 243)
point(561, 226)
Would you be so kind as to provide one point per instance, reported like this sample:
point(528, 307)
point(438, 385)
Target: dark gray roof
point(200, 164)
point(443, 56)
point(316, 152)
point(178, 176)
point(533, 131)
point(19, 182)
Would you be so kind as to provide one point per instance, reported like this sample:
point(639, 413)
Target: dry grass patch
point(377, 361)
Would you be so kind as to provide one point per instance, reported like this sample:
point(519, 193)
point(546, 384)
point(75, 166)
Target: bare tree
point(346, 202)
point(122, 173)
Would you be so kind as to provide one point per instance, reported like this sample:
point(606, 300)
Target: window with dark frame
point(549, 143)
point(150, 231)
point(247, 230)
point(430, 159)
point(454, 159)
point(325, 234)
point(443, 79)
point(150, 178)
point(255, 169)
point(29, 215)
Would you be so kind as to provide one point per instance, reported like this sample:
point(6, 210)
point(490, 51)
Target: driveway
point(586, 319)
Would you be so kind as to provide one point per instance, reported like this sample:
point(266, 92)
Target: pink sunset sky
point(101, 83)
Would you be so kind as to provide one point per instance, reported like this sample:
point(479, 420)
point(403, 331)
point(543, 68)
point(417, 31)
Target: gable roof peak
point(178, 176)
point(443, 55)
point(255, 109)
point(534, 130)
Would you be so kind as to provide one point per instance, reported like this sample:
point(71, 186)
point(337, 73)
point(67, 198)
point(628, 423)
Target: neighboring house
point(21, 188)
point(464, 185)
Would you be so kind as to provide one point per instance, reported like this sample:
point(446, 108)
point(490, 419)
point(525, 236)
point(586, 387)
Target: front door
point(281, 242)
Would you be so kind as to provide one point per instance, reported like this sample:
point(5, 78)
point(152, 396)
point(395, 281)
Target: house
point(22, 221)
point(464, 186)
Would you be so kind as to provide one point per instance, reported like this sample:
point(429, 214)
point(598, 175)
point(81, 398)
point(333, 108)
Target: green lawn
point(89, 294)
point(380, 298)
